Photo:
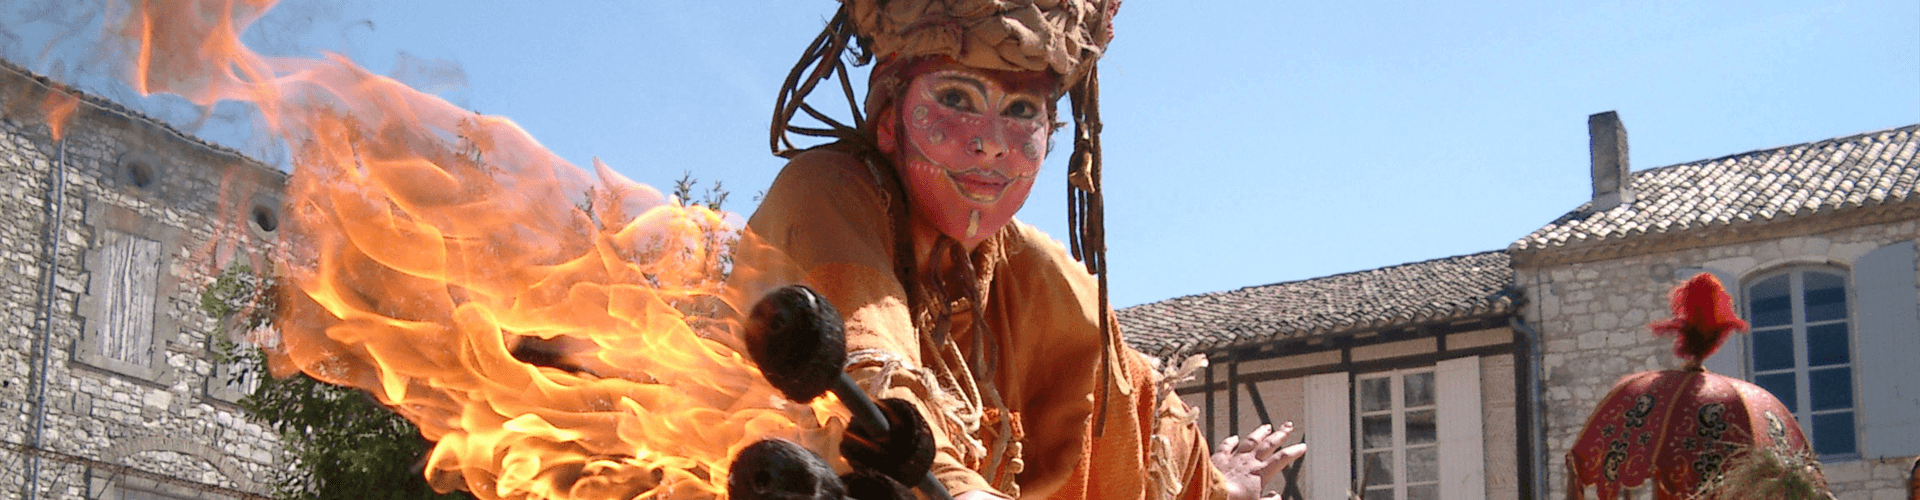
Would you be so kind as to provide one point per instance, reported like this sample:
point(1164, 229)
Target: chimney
point(1607, 140)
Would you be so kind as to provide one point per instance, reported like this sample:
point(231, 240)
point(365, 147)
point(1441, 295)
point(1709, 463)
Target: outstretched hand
point(1248, 464)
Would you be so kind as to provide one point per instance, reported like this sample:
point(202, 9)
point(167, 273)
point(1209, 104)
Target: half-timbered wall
point(1312, 383)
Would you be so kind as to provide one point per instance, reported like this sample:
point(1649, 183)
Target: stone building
point(109, 232)
point(1815, 241)
point(1402, 379)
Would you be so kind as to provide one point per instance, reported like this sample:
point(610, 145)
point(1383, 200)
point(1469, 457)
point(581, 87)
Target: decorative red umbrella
point(1679, 427)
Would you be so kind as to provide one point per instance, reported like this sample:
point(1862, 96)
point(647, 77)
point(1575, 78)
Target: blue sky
point(1248, 142)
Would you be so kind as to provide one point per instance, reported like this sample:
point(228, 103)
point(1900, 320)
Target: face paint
point(972, 144)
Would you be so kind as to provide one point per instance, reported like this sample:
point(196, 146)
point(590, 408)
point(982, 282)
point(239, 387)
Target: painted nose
point(994, 145)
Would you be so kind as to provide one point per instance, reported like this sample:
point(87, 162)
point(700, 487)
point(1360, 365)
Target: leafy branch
point(345, 444)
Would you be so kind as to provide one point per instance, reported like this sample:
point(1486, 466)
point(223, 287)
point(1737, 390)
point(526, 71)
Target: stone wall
point(1593, 318)
point(141, 217)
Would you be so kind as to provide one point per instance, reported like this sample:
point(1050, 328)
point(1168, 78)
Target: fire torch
point(799, 342)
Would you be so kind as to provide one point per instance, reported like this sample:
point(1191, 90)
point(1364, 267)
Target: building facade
point(1404, 380)
point(1816, 243)
point(110, 231)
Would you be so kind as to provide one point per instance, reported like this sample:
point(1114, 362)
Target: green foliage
point(1766, 472)
point(346, 445)
point(234, 290)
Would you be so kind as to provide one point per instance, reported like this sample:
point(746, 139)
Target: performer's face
point(971, 144)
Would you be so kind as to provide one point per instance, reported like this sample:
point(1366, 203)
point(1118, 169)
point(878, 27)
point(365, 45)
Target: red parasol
point(1679, 427)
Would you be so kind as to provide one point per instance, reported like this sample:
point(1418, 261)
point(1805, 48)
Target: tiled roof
point(1865, 170)
point(108, 106)
point(1403, 295)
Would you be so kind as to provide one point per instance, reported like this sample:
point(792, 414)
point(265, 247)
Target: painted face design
point(973, 144)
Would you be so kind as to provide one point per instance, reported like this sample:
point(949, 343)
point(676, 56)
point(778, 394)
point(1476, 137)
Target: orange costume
point(992, 330)
point(1025, 427)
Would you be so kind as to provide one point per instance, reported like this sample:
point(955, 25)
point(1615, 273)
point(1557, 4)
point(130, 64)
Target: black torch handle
point(798, 340)
point(870, 421)
point(932, 487)
point(867, 417)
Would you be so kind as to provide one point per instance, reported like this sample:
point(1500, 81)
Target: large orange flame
point(425, 242)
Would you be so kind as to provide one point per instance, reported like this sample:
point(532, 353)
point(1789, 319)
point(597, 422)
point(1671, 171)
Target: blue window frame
point(1802, 352)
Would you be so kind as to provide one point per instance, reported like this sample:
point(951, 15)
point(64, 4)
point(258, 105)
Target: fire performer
point(988, 326)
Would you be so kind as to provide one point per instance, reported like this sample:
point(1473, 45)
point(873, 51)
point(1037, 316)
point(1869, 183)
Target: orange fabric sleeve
point(825, 212)
point(1041, 310)
point(1054, 340)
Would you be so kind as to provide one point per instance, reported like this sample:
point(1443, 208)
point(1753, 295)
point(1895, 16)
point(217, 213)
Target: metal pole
point(56, 214)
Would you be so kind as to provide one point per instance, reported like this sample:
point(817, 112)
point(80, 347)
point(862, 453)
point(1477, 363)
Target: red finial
point(1703, 316)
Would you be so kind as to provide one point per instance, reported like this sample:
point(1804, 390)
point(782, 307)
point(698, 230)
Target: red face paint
point(973, 141)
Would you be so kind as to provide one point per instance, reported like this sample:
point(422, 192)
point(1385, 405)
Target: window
point(130, 287)
point(121, 308)
point(157, 488)
point(1802, 352)
point(133, 494)
point(1399, 439)
point(1426, 443)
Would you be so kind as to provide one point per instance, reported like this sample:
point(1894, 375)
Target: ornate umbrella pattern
point(1679, 427)
point(1676, 427)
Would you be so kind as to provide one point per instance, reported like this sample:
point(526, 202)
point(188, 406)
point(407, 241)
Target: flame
point(425, 242)
point(58, 107)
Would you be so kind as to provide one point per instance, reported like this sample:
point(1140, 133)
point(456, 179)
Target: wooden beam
point(1348, 365)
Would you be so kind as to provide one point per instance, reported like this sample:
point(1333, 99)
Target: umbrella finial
point(1703, 316)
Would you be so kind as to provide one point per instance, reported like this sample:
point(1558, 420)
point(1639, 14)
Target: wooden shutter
point(1329, 434)
point(131, 276)
point(1887, 340)
point(1463, 464)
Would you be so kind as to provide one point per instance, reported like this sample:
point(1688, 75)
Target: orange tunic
point(1026, 429)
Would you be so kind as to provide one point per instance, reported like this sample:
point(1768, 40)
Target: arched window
point(1802, 352)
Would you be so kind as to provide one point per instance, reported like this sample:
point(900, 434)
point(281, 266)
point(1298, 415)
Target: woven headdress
point(1064, 37)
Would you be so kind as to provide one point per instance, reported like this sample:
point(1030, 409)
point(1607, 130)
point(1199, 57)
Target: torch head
point(798, 340)
point(776, 469)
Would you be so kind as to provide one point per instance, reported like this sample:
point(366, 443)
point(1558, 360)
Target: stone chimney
point(1607, 140)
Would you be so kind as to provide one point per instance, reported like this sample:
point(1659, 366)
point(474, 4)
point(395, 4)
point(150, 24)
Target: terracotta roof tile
point(1406, 294)
point(1839, 174)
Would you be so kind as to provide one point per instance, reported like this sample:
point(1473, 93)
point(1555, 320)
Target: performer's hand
point(1248, 464)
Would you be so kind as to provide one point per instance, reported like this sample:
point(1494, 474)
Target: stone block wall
point(1593, 319)
point(141, 217)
